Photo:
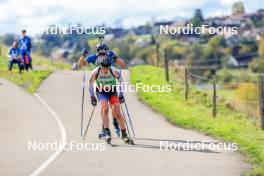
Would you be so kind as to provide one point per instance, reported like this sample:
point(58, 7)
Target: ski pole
point(88, 123)
point(83, 88)
point(100, 37)
point(129, 119)
point(125, 120)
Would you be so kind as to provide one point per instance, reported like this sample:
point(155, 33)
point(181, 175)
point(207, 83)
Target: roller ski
point(108, 136)
point(127, 139)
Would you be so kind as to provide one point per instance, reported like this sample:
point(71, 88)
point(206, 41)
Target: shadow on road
point(176, 140)
point(156, 145)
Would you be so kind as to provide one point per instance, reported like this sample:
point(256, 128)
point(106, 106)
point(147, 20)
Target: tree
point(152, 39)
point(197, 19)
point(215, 50)
point(257, 65)
point(237, 8)
point(8, 39)
point(261, 48)
point(92, 44)
point(217, 42)
point(193, 54)
point(126, 46)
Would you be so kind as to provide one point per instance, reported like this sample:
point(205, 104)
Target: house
point(244, 60)
point(232, 62)
point(259, 15)
point(163, 23)
point(117, 32)
point(215, 22)
point(234, 20)
point(141, 30)
point(156, 26)
point(252, 34)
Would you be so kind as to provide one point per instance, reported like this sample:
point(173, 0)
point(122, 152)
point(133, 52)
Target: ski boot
point(126, 139)
point(108, 136)
point(117, 129)
point(102, 134)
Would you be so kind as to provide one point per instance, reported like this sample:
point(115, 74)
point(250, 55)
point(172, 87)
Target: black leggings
point(14, 61)
point(28, 66)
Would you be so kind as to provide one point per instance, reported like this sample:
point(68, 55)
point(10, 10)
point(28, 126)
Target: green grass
point(226, 93)
point(236, 75)
point(197, 114)
point(32, 79)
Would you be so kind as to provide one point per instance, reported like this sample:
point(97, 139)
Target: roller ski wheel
point(108, 139)
point(128, 141)
point(101, 136)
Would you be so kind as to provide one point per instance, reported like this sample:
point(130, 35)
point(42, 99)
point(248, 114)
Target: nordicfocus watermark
point(189, 29)
point(198, 146)
point(63, 29)
point(71, 145)
point(126, 87)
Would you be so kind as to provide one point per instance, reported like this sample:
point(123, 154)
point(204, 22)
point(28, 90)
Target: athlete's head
point(24, 32)
point(105, 63)
point(15, 44)
point(101, 48)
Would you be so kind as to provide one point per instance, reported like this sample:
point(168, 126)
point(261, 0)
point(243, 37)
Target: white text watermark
point(189, 29)
point(198, 146)
point(69, 146)
point(67, 29)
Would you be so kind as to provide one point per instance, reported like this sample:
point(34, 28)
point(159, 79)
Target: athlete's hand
point(121, 99)
point(93, 101)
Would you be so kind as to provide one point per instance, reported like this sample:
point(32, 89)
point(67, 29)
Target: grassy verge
point(32, 79)
point(197, 114)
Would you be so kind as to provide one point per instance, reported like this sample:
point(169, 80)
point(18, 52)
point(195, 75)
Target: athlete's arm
point(9, 52)
point(82, 61)
point(91, 87)
point(118, 76)
point(120, 62)
point(29, 44)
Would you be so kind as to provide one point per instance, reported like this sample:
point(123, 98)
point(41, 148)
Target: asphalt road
point(25, 118)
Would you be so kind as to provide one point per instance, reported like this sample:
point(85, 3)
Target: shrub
point(247, 92)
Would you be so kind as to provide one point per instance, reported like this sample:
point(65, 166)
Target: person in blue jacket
point(25, 46)
point(102, 50)
point(14, 57)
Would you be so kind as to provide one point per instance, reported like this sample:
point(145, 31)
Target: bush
point(247, 92)
point(257, 65)
point(225, 76)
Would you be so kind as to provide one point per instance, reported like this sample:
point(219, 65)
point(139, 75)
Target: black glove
point(93, 101)
point(121, 99)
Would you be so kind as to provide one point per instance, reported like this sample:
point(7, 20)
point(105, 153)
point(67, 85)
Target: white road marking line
point(62, 142)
